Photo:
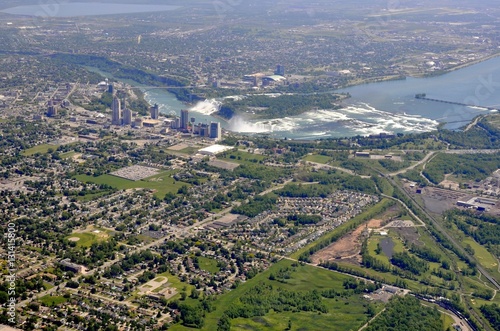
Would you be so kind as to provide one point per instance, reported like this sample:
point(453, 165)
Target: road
point(178, 233)
point(440, 228)
point(413, 166)
point(374, 317)
point(458, 321)
point(427, 158)
point(473, 123)
point(406, 207)
point(327, 166)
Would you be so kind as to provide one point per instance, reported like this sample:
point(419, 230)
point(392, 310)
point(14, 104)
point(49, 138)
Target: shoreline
point(363, 82)
point(380, 79)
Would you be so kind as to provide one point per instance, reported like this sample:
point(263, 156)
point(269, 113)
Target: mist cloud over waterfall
point(206, 107)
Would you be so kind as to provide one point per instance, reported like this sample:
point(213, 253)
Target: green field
point(52, 301)
point(67, 155)
point(448, 321)
point(42, 149)
point(175, 282)
point(376, 238)
point(344, 313)
point(485, 258)
point(162, 183)
point(242, 157)
point(318, 158)
point(208, 264)
point(47, 286)
point(86, 238)
point(189, 150)
point(92, 196)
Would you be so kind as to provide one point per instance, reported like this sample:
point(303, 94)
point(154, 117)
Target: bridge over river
point(422, 96)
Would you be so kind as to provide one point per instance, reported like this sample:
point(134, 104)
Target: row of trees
point(338, 180)
point(344, 229)
point(255, 206)
point(406, 313)
point(411, 263)
point(492, 314)
point(260, 299)
point(469, 166)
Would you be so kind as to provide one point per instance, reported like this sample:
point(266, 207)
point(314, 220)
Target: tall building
point(155, 112)
point(215, 130)
point(110, 89)
point(280, 70)
point(51, 109)
point(127, 116)
point(203, 130)
point(184, 119)
point(176, 124)
point(116, 112)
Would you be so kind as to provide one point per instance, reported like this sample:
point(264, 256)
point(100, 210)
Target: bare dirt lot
point(348, 247)
point(439, 200)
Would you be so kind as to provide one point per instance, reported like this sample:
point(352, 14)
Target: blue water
point(55, 9)
point(475, 85)
point(377, 107)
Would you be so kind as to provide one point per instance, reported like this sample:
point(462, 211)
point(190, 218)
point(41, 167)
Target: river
point(376, 107)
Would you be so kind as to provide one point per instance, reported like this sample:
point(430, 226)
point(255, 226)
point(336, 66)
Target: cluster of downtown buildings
point(123, 116)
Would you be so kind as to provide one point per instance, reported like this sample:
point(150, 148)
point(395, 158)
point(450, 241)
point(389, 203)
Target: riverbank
point(381, 104)
point(460, 66)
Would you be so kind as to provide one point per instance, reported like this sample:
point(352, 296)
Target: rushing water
point(377, 107)
point(73, 9)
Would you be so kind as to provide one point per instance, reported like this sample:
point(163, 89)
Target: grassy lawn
point(161, 183)
point(86, 238)
point(208, 264)
point(344, 313)
point(67, 155)
point(189, 150)
point(399, 247)
point(376, 238)
point(44, 148)
point(47, 286)
point(176, 283)
point(483, 256)
point(318, 158)
point(52, 301)
point(447, 321)
point(92, 196)
point(473, 284)
point(494, 119)
point(89, 237)
point(386, 276)
point(242, 157)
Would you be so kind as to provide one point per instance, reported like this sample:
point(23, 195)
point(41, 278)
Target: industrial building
point(214, 150)
point(272, 80)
